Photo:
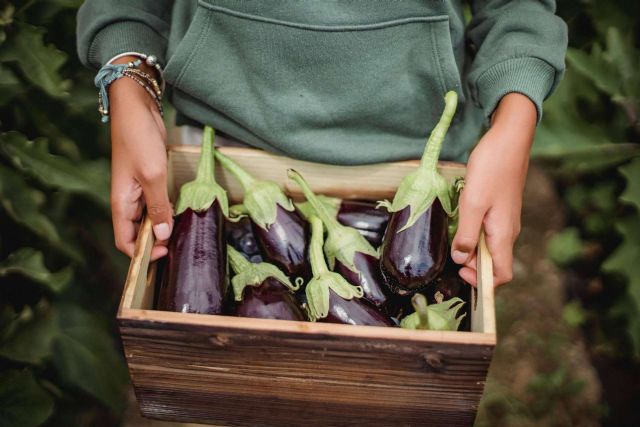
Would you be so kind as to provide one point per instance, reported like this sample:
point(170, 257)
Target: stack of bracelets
point(112, 72)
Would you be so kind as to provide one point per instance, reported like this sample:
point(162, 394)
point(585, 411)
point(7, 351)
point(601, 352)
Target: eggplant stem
point(330, 222)
point(206, 164)
point(431, 154)
point(237, 260)
point(245, 179)
point(316, 254)
point(419, 303)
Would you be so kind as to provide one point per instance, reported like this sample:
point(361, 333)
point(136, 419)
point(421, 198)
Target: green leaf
point(565, 247)
point(603, 74)
point(631, 172)
point(90, 178)
point(10, 85)
point(573, 314)
point(39, 63)
point(31, 335)
point(86, 359)
point(6, 15)
point(23, 402)
point(29, 263)
point(22, 203)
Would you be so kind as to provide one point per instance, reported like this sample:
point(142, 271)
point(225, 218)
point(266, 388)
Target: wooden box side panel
point(203, 373)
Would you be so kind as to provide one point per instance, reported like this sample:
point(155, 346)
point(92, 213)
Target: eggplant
point(414, 247)
point(240, 236)
point(347, 251)
point(436, 317)
point(262, 290)
point(281, 234)
point(196, 270)
point(330, 298)
point(359, 214)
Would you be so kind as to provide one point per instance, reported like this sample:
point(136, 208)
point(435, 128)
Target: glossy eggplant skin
point(364, 217)
point(284, 243)
point(240, 235)
point(196, 271)
point(369, 278)
point(354, 312)
point(414, 257)
point(269, 300)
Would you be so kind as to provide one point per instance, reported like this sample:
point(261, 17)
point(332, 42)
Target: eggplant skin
point(414, 257)
point(240, 236)
point(196, 271)
point(369, 277)
point(354, 312)
point(284, 243)
point(270, 300)
point(364, 217)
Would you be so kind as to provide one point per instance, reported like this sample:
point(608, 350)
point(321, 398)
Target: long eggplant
point(196, 270)
point(347, 251)
point(359, 214)
point(330, 298)
point(414, 248)
point(281, 233)
point(262, 290)
point(436, 317)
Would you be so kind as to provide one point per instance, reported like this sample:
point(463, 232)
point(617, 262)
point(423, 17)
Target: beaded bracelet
point(112, 72)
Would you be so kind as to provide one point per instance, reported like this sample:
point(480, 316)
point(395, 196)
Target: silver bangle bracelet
point(150, 60)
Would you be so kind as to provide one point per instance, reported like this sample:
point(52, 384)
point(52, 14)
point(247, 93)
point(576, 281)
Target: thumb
point(158, 207)
point(466, 239)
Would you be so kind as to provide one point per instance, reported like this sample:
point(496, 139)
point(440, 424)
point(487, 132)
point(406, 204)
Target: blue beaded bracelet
point(107, 75)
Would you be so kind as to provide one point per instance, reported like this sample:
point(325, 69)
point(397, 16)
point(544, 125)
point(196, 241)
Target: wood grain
point(246, 372)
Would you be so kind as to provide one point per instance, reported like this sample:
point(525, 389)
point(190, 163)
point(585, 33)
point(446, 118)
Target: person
point(343, 82)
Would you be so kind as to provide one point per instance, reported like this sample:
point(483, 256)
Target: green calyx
point(261, 197)
point(250, 274)
point(342, 242)
point(200, 193)
point(323, 280)
point(421, 187)
point(331, 203)
point(442, 316)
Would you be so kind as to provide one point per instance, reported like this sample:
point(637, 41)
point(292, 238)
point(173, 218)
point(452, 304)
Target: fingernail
point(459, 257)
point(161, 231)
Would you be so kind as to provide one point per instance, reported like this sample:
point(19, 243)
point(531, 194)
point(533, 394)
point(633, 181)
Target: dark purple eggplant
point(414, 247)
point(240, 236)
point(262, 290)
point(359, 214)
point(196, 272)
point(347, 251)
point(330, 298)
point(281, 233)
point(436, 317)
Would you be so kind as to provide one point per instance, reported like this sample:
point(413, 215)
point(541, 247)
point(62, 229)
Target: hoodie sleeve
point(519, 46)
point(107, 28)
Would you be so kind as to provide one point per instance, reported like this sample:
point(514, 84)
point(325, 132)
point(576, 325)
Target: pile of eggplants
point(320, 260)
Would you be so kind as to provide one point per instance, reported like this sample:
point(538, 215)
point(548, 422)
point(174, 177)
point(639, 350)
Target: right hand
point(138, 166)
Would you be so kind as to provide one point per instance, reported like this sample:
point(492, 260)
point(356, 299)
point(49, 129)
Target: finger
point(469, 275)
point(500, 246)
point(158, 252)
point(124, 230)
point(154, 187)
point(472, 212)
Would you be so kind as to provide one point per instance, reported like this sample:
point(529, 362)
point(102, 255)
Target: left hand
point(494, 183)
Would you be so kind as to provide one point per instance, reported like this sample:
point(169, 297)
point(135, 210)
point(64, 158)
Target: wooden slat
point(483, 306)
point(138, 288)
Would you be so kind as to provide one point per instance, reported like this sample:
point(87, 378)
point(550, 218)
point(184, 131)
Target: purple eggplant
point(281, 234)
point(330, 298)
point(240, 236)
point(262, 290)
point(196, 270)
point(359, 214)
point(347, 251)
point(414, 247)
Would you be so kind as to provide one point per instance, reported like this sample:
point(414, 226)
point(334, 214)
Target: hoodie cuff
point(128, 36)
point(529, 76)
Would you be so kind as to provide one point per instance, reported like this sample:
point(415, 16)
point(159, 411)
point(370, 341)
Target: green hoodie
point(336, 81)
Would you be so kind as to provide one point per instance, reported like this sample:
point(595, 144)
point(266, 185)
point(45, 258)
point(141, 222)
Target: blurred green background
point(569, 324)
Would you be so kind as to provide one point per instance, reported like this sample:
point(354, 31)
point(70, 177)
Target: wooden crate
point(232, 371)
